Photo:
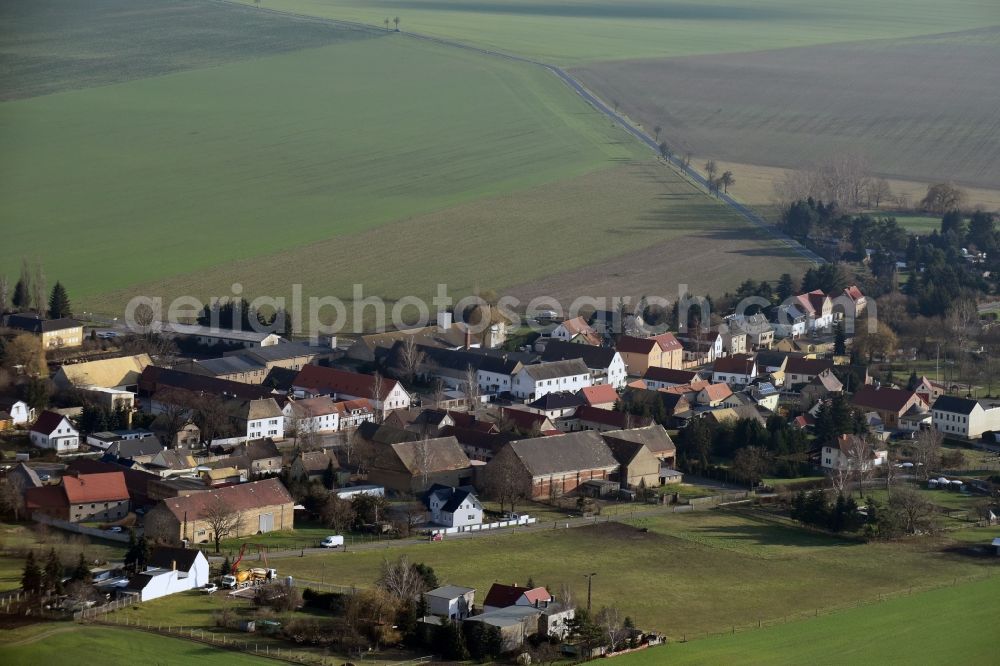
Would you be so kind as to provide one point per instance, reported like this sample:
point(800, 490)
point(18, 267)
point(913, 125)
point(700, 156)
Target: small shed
point(599, 488)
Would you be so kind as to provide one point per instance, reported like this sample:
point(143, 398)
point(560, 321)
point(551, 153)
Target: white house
point(169, 571)
point(738, 370)
point(54, 431)
point(605, 363)
point(312, 415)
point(576, 329)
point(20, 413)
point(263, 418)
point(385, 394)
point(818, 308)
point(534, 381)
point(451, 601)
point(964, 417)
point(792, 321)
point(845, 453)
point(453, 507)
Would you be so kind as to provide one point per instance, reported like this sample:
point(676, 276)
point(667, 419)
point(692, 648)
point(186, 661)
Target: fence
point(80, 529)
point(718, 500)
point(523, 520)
point(97, 611)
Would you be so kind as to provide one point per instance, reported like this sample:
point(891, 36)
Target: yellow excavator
point(239, 578)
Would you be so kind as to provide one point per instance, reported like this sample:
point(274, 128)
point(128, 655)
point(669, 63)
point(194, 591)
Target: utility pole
point(589, 578)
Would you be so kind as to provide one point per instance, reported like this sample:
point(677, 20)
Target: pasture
point(689, 575)
point(53, 45)
point(951, 625)
point(111, 646)
point(577, 31)
point(918, 109)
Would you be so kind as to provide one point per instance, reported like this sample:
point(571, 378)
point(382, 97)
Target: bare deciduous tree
point(926, 450)
point(377, 397)
point(4, 294)
point(38, 289)
point(877, 191)
point(401, 579)
point(223, 520)
point(710, 170)
point(943, 197)
point(411, 358)
point(612, 622)
point(727, 180)
point(472, 393)
point(503, 480)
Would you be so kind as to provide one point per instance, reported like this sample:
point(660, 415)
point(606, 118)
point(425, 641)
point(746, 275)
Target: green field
point(110, 646)
point(171, 175)
point(575, 31)
point(690, 575)
point(952, 625)
point(915, 222)
point(16, 540)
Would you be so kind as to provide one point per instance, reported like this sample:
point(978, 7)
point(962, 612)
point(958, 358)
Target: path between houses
point(593, 100)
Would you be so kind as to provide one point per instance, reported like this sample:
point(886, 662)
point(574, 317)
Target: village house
point(352, 413)
point(657, 378)
point(889, 403)
point(451, 601)
point(858, 301)
point(602, 396)
point(821, 386)
point(54, 431)
point(534, 381)
point(792, 321)
point(577, 331)
point(654, 437)
point(964, 417)
point(701, 347)
point(601, 420)
point(140, 449)
point(524, 422)
point(20, 413)
point(734, 342)
point(556, 405)
point(638, 466)
point(310, 466)
point(257, 419)
point(82, 498)
point(314, 380)
point(411, 467)
point(172, 462)
point(759, 331)
point(801, 370)
point(230, 368)
point(605, 364)
point(311, 416)
point(818, 309)
point(764, 395)
point(453, 507)
point(261, 506)
point(169, 571)
point(520, 613)
point(546, 467)
point(928, 390)
point(658, 351)
point(714, 395)
point(53, 333)
point(845, 453)
point(738, 370)
point(262, 454)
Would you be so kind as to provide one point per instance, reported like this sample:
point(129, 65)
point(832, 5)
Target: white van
point(332, 542)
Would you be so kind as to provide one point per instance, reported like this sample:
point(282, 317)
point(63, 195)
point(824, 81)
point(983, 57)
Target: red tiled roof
point(853, 293)
point(796, 365)
point(47, 422)
point(523, 420)
point(319, 379)
point(579, 326)
point(601, 394)
point(632, 345)
point(44, 497)
point(718, 391)
point(102, 487)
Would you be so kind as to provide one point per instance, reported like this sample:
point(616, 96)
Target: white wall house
point(453, 507)
point(169, 571)
point(494, 381)
point(791, 322)
point(844, 455)
point(965, 418)
point(264, 419)
point(54, 431)
point(450, 601)
point(312, 415)
point(535, 381)
point(20, 413)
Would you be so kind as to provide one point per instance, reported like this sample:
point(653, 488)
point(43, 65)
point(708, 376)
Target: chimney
point(173, 565)
point(444, 319)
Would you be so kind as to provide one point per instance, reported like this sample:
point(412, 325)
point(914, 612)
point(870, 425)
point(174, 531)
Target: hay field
point(921, 109)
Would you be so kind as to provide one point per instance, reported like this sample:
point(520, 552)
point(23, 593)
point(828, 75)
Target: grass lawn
point(722, 568)
point(279, 152)
point(573, 31)
point(952, 625)
point(915, 222)
point(16, 539)
point(111, 647)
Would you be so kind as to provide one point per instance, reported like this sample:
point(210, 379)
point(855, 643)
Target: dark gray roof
point(130, 448)
point(556, 369)
point(36, 324)
point(558, 400)
point(950, 403)
point(593, 357)
point(460, 359)
point(164, 557)
point(564, 453)
point(227, 365)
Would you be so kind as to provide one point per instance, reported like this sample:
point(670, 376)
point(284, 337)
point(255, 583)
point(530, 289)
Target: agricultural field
point(117, 647)
point(951, 625)
point(575, 31)
point(737, 569)
point(52, 45)
point(919, 108)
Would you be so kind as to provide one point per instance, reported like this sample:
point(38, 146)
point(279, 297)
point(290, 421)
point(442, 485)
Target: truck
point(239, 578)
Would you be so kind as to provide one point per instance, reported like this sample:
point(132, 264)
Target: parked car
point(335, 541)
point(210, 588)
point(115, 529)
point(44, 477)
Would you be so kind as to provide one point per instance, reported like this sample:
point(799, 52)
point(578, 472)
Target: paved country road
point(743, 211)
